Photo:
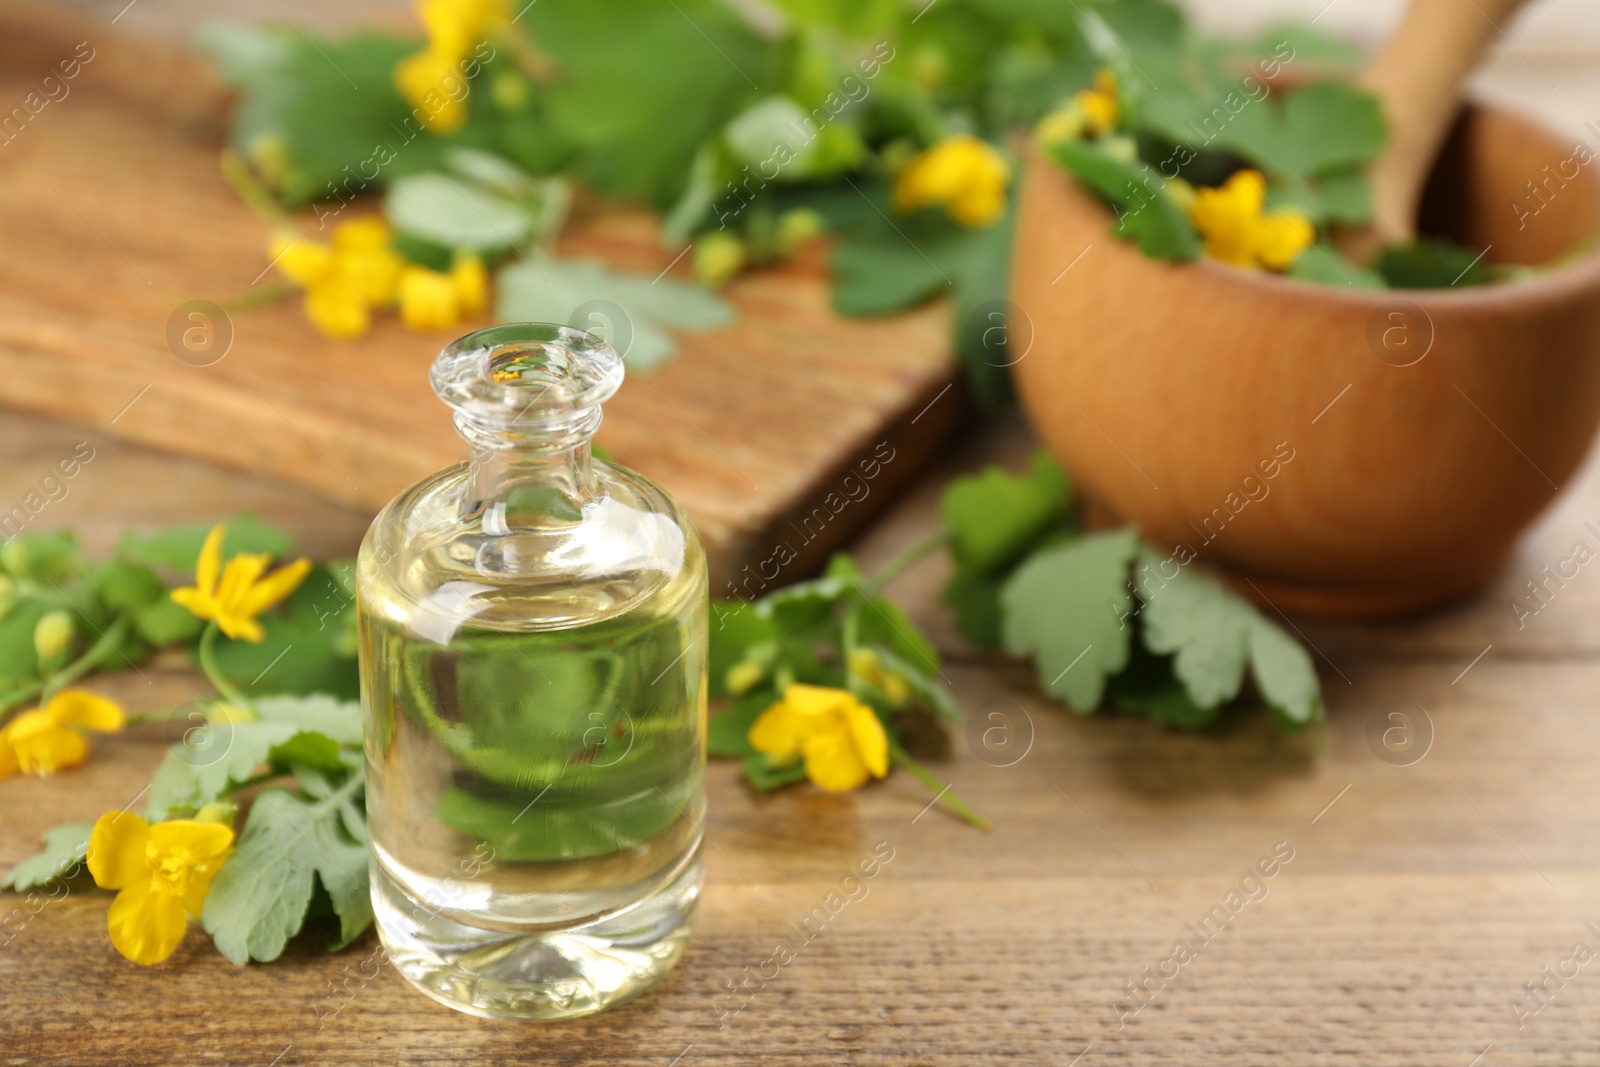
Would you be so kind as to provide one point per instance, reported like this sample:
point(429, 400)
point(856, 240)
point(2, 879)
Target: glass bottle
point(533, 671)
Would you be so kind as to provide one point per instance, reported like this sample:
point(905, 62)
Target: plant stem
point(208, 664)
point(900, 562)
point(942, 792)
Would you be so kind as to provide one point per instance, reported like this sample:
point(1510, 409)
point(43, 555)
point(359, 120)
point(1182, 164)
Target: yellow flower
point(840, 739)
point(344, 278)
point(47, 739)
point(471, 280)
point(1230, 219)
point(1099, 105)
point(962, 173)
point(428, 299)
point(433, 80)
point(303, 262)
point(161, 872)
point(337, 310)
point(233, 596)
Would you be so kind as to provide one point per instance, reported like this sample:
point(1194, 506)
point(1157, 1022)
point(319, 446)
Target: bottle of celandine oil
point(533, 669)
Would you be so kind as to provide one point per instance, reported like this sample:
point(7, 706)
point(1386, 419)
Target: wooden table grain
point(1408, 911)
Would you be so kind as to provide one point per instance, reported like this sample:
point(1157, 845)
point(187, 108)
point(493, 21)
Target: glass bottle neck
point(519, 483)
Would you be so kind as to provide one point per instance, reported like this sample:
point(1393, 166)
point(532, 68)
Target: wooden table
point(1418, 901)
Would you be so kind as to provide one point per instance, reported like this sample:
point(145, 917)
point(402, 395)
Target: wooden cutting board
point(113, 213)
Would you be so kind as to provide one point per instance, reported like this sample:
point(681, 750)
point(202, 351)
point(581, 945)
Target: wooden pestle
point(1417, 78)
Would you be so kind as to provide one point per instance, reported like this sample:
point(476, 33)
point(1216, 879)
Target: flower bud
point(219, 811)
point(743, 677)
point(717, 258)
point(52, 634)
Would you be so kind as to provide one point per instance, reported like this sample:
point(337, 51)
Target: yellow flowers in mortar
point(1236, 231)
point(358, 271)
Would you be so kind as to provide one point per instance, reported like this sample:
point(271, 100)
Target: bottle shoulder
point(625, 545)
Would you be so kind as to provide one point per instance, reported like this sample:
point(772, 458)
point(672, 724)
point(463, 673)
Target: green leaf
point(976, 601)
point(177, 548)
point(1431, 263)
point(560, 831)
point(994, 516)
point(65, 850)
point(727, 732)
point(1214, 634)
point(125, 586)
point(879, 277)
point(635, 312)
point(339, 720)
point(1067, 606)
point(323, 115)
point(456, 212)
point(51, 556)
point(259, 898)
point(1326, 265)
point(761, 772)
point(1146, 214)
point(1148, 687)
point(1284, 673)
point(165, 623)
point(18, 659)
point(667, 77)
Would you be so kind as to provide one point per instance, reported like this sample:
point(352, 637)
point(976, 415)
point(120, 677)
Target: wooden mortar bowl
point(1170, 391)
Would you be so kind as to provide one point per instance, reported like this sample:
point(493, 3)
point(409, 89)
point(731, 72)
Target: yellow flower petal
point(194, 897)
point(117, 850)
point(8, 756)
point(777, 733)
point(428, 299)
point(337, 309)
point(1281, 238)
point(200, 605)
point(79, 707)
point(209, 565)
point(199, 842)
point(302, 261)
point(471, 280)
point(41, 745)
point(368, 234)
point(431, 82)
point(963, 173)
point(833, 764)
point(868, 738)
point(146, 923)
point(813, 701)
point(272, 589)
